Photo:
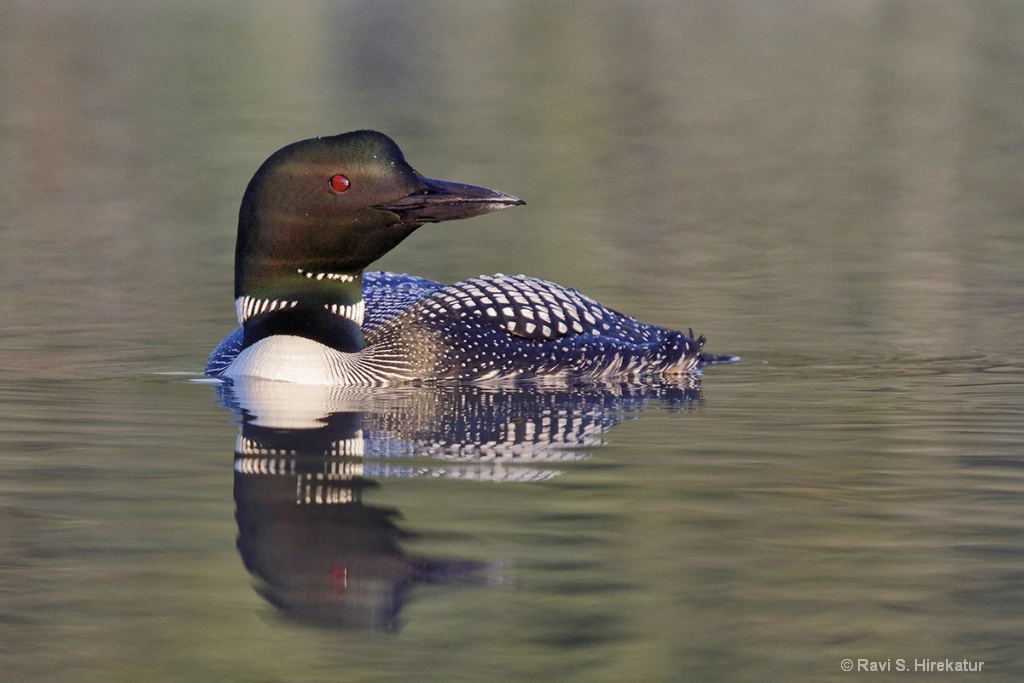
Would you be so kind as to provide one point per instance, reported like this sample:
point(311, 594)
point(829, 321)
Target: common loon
point(319, 211)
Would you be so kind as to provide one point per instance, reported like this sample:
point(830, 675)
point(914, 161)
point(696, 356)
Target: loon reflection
point(305, 455)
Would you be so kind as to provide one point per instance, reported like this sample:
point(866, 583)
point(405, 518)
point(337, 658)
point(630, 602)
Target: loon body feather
point(483, 328)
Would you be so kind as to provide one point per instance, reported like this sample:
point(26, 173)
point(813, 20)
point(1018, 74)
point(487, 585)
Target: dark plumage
point(319, 211)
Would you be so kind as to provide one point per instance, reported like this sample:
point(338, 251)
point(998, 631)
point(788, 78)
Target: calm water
point(832, 191)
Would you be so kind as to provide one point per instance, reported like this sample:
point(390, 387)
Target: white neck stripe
point(341, 277)
point(247, 306)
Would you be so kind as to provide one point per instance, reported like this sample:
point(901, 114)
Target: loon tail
point(712, 358)
point(705, 358)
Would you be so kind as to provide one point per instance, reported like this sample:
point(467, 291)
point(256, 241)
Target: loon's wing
point(517, 326)
point(538, 310)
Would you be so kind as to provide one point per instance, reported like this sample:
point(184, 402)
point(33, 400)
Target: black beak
point(442, 200)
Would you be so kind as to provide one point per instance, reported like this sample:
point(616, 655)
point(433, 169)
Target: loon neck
point(322, 306)
point(338, 293)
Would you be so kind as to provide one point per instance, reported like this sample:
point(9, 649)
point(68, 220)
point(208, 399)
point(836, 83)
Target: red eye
point(339, 183)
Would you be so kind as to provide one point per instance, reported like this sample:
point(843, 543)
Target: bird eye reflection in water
point(305, 454)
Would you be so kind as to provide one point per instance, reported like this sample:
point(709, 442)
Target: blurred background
point(810, 176)
point(831, 190)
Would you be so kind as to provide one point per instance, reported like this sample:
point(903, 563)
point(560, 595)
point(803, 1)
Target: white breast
point(294, 359)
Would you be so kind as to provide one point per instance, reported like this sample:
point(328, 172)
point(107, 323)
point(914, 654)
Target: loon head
point(325, 208)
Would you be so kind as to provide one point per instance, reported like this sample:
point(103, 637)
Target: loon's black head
point(336, 204)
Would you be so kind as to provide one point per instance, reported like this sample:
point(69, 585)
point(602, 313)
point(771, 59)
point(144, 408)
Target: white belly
point(295, 359)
